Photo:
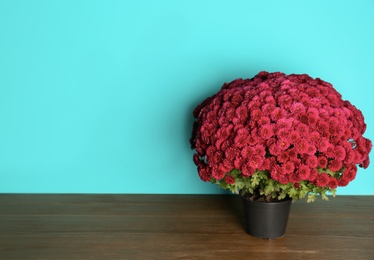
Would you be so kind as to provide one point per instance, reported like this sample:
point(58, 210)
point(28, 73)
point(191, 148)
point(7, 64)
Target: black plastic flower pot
point(266, 220)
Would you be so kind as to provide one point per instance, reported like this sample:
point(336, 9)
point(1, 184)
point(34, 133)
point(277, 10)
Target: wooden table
point(46, 226)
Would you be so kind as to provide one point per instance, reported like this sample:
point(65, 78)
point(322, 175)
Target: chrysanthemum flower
point(296, 130)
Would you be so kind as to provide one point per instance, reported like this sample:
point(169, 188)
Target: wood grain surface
point(88, 226)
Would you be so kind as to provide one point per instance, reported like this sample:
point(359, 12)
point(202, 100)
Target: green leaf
point(324, 196)
point(311, 197)
point(269, 187)
point(292, 192)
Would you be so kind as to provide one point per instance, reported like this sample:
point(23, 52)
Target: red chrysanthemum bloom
point(283, 144)
point(292, 153)
point(312, 111)
point(365, 163)
point(350, 157)
point(238, 162)
point(333, 122)
point(230, 113)
point(322, 180)
point(285, 123)
point(242, 112)
point(229, 165)
point(349, 174)
point(246, 152)
point(322, 162)
point(259, 149)
point(285, 101)
point(231, 153)
point(267, 109)
point(266, 131)
point(283, 133)
point(253, 138)
point(333, 183)
point(204, 173)
point(302, 146)
point(283, 157)
point(247, 170)
point(343, 182)
point(340, 153)
point(267, 164)
point(330, 152)
point(196, 159)
point(312, 161)
point(229, 179)
point(311, 149)
point(289, 167)
point(323, 144)
point(275, 150)
point(278, 174)
point(313, 174)
point(241, 140)
point(264, 120)
point(303, 172)
point(312, 119)
point(297, 108)
point(255, 161)
point(294, 137)
point(323, 128)
point(303, 129)
point(256, 114)
point(236, 99)
point(335, 165)
point(277, 114)
point(217, 173)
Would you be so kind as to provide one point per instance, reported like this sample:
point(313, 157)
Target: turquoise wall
point(96, 96)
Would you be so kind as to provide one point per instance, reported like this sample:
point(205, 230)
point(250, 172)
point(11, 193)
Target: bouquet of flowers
point(278, 136)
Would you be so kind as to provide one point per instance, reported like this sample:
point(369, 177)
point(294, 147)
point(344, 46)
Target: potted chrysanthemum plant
point(277, 138)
